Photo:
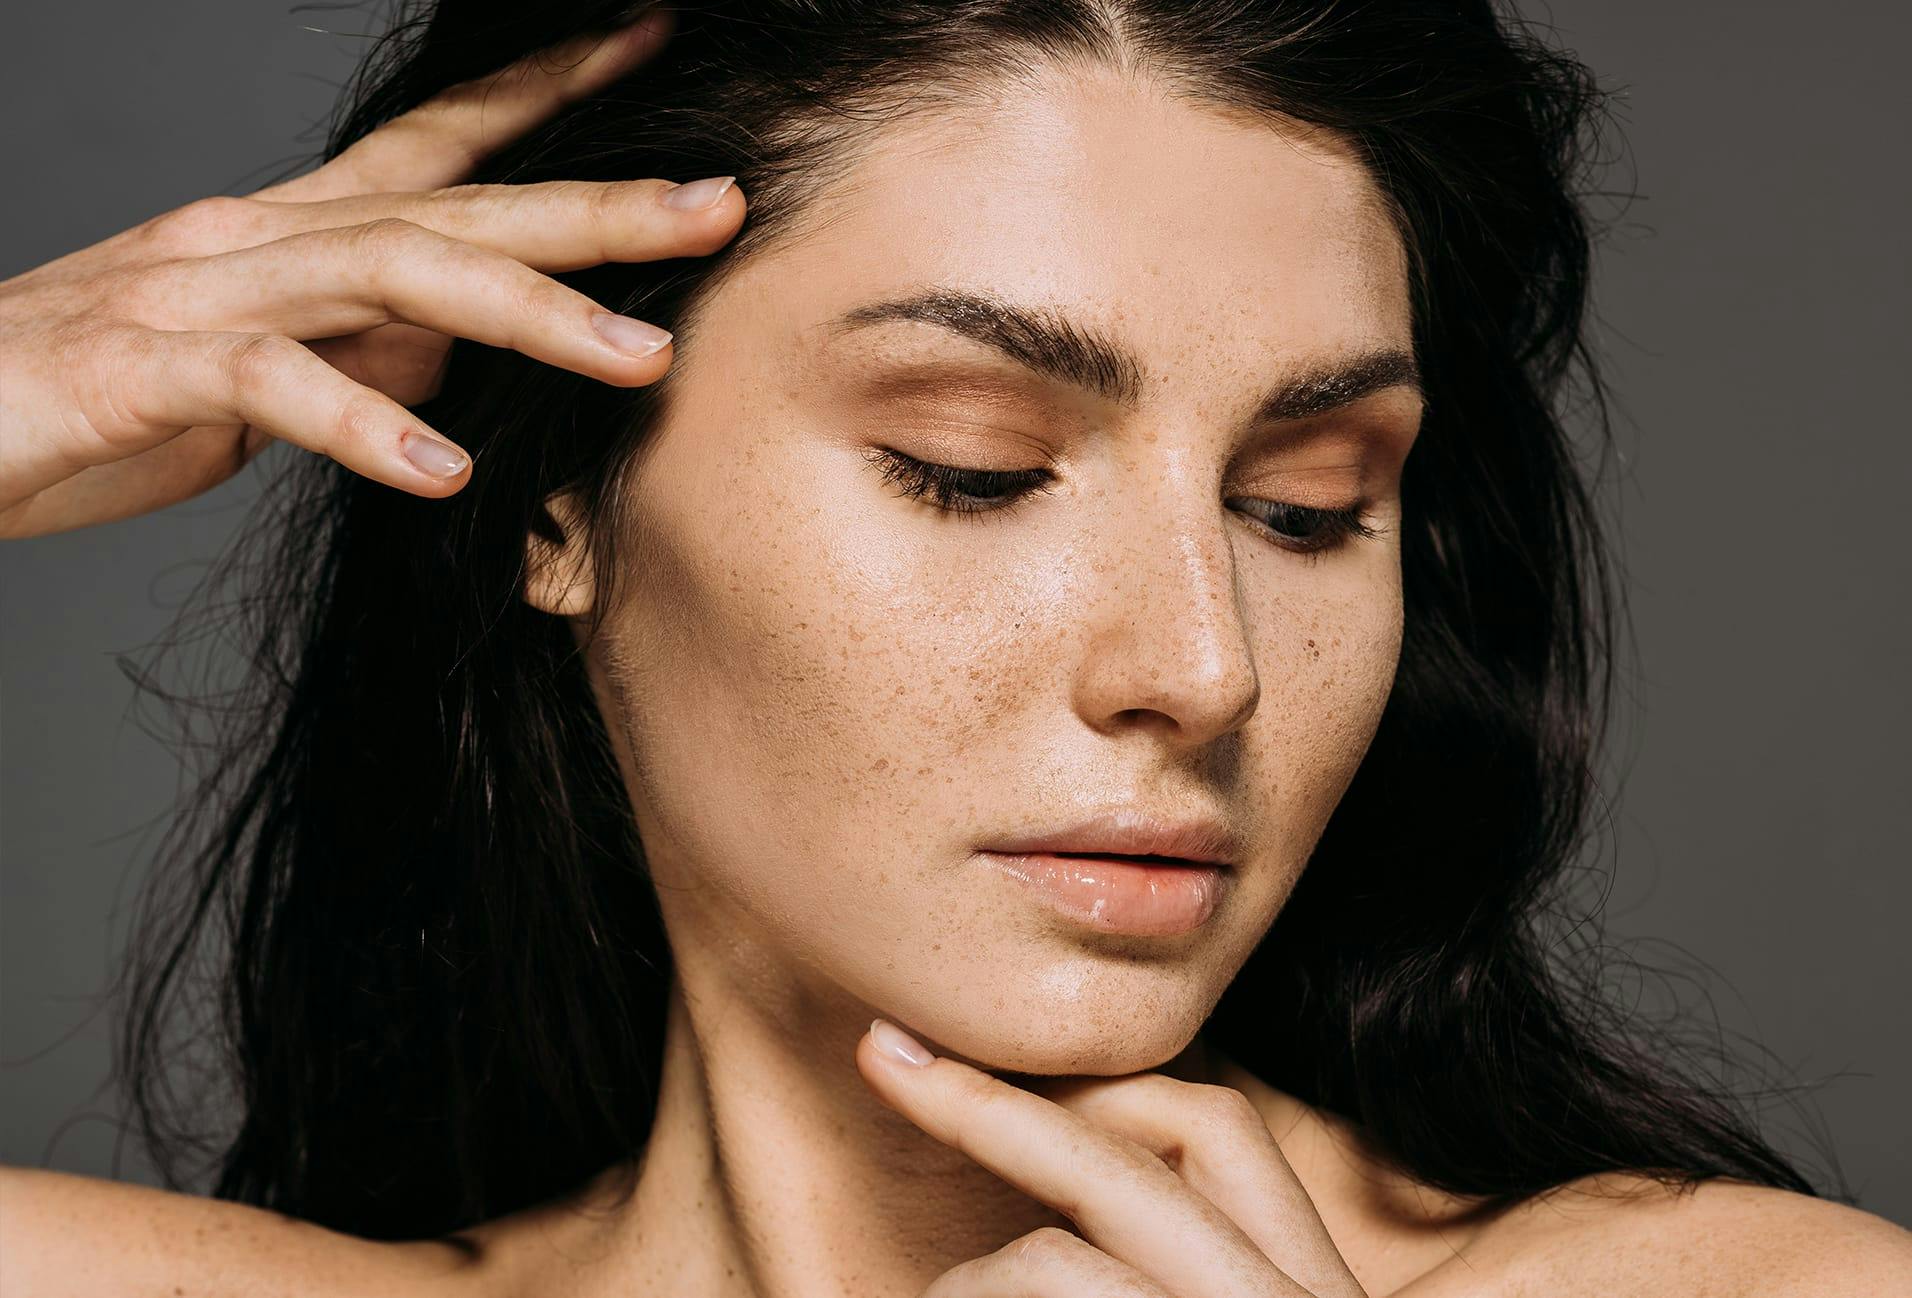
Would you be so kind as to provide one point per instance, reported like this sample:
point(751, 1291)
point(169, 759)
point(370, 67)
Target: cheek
point(780, 685)
point(1327, 649)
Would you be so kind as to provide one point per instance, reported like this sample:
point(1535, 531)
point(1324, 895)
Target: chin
point(1082, 1034)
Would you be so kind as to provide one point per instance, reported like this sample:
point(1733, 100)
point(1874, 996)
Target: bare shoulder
point(76, 1235)
point(1622, 1236)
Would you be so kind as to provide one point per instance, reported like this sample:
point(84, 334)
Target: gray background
point(1752, 321)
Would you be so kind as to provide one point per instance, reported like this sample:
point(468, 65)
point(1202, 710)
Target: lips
point(1139, 895)
point(1144, 859)
point(1129, 834)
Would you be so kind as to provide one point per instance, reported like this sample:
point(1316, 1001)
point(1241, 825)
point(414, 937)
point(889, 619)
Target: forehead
point(1190, 231)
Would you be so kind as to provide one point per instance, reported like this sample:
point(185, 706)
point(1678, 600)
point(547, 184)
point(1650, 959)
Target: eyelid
point(945, 483)
point(1323, 487)
point(1316, 486)
point(966, 444)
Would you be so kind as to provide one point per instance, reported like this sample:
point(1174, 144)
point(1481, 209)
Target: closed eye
point(989, 491)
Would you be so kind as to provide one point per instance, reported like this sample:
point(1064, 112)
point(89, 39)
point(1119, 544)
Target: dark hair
point(410, 872)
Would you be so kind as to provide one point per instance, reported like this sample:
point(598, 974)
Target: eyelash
point(957, 491)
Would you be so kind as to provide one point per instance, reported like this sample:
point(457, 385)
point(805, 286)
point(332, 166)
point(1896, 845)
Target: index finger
point(439, 142)
point(1219, 1142)
point(1125, 1200)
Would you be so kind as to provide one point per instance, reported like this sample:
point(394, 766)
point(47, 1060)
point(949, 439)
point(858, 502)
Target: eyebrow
point(1049, 342)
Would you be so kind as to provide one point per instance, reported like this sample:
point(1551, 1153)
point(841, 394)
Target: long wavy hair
point(404, 911)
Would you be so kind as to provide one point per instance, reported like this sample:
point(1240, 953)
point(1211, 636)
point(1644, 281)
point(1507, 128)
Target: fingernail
point(626, 334)
point(697, 195)
point(898, 1044)
point(433, 457)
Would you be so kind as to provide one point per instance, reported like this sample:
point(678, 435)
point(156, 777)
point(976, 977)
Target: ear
point(558, 578)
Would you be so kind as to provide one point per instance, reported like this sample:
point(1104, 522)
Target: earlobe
point(558, 576)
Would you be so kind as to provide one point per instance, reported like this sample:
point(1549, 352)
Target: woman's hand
point(1178, 1188)
point(151, 366)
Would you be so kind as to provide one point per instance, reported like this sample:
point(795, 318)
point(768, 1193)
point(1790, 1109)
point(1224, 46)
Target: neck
point(773, 1171)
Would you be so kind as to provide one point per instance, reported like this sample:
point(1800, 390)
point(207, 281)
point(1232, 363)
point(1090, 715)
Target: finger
point(439, 142)
point(166, 381)
point(552, 225)
point(335, 282)
point(1126, 1201)
point(1219, 1142)
point(403, 361)
point(195, 461)
point(1046, 1263)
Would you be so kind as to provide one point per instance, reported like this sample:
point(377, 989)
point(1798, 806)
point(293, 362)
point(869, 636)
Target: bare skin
point(151, 366)
point(1140, 634)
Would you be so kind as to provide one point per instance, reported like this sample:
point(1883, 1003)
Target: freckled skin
point(829, 695)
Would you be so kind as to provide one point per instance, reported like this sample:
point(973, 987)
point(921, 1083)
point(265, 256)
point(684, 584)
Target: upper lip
point(1129, 832)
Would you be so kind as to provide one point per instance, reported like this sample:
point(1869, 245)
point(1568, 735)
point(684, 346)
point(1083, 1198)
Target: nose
point(1165, 635)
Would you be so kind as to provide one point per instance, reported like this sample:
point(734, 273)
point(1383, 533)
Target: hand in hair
point(155, 364)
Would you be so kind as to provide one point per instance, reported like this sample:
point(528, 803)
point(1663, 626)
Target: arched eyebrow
point(1049, 342)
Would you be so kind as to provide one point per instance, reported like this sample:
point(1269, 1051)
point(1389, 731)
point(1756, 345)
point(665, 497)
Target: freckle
point(936, 946)
point(881, 762)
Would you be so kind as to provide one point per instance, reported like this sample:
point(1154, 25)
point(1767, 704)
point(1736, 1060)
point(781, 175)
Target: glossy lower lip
point(1117, 895)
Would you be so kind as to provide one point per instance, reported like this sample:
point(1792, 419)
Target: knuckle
point(566, 195)
point(258, 361)
point(1228, 1110)
point(590, 205)
point(1139, 1159)
point(438, 119)
point(1046, 1245)
point(467, 194)
point(604, 203)
point(97, 376)
point(459, 96)
point(390, 230)
point(975, 1116)
point(459, 209)
point(202, 227)
point(378, 241)
point(529, 296)
point(361, 421)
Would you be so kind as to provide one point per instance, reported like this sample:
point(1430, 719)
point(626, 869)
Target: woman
point(1102, 431)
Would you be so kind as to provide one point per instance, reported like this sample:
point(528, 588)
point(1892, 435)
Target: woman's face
point(831, 696)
